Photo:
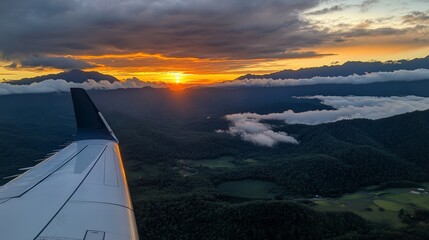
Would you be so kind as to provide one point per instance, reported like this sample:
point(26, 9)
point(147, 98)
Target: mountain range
point(346, 69)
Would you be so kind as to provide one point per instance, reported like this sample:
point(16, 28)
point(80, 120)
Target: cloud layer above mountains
point(60, 85)
point(399, 75)
point(250, 128)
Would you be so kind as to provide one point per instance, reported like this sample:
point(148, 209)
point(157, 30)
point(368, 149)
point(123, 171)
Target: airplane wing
point(80, 193)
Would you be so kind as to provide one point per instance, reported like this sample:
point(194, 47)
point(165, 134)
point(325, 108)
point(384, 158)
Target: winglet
point(89, 121)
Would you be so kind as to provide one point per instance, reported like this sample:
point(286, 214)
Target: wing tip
point(89, 121)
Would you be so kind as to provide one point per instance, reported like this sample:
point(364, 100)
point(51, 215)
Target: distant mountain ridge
point(76, 76)
point(346, 69)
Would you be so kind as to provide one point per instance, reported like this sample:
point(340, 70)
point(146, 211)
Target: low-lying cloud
point(250, 128)
point(399, 75)
point(60, 85)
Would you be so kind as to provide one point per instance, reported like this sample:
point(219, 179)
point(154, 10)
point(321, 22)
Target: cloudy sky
point(203, 41)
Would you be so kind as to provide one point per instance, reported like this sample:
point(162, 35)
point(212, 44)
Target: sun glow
point(178, 77)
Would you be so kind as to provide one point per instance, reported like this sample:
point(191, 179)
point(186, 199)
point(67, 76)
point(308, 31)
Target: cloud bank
point(249, 127)
point(399, 75)
point(60, 85)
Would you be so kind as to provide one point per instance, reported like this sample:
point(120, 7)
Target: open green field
point(137, 170)
point(378, 206)
point(254, 189)
point(222, 162)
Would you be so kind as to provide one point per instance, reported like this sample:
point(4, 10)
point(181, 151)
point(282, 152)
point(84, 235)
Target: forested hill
point(335, 158)
point(346, 69)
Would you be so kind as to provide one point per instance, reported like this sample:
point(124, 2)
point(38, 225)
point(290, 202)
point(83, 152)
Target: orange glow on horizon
point(179, 86)
point(180, 73)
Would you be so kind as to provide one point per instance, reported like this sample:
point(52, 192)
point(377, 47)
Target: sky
point(204, 41)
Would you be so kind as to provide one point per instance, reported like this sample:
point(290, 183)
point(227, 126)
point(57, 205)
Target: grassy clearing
point(353, 196)
point(389, 206)
point(378, 206)
point(222, 162)
point(254, 189)
point(251, 161)
point(413, 200)
point(144, 171)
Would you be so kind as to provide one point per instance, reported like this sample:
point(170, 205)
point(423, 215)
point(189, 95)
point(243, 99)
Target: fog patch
point(395, 76)
point(60, 85)
point(250, 128)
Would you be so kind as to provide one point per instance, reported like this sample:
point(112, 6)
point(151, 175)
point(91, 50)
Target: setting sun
point(178, 77)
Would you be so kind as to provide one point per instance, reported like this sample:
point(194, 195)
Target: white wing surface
point(80, 193)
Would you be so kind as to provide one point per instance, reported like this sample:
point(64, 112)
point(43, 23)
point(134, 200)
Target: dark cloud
point(365, 32)
point(12, 66)
point(309, 54)
point(227, 29)
point(370, 28)
point(51, 62)
point(416, 17)
point(339, 40)
point(335, 8)
point(365, 5)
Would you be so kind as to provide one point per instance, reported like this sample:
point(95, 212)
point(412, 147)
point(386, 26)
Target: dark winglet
point(89, 121)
